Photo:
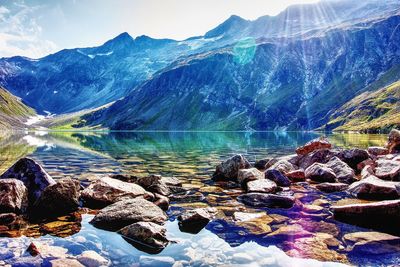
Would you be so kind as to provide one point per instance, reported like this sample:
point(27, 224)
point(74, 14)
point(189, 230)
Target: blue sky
point(35, 28)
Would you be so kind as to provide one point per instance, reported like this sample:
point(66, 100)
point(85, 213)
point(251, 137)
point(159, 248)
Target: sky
point(35, 28)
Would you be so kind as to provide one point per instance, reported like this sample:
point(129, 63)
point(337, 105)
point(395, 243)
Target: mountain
point(13, 113)
point(297, 84)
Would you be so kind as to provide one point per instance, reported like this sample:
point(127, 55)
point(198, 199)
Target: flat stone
point(319, 226)
point(313, 145)
point(378, 151)
point(320, 173)
point(267, 200)
point(254, 223)
point(13, 196)
point(34, 177)
point(92, 258)
point(128, 211)
point(375, 243)
point(247, 175)
point(388, 170)
point(290, 232)
point(247, 216)
point(65, 263)
point(228, 170)
point(278, 177)
point(343, 172)
point(375, 188)
point(331, 187)
point(312, 208)
point(296, 175)
point(261, 186)
point(105, 191)
point(147, 233)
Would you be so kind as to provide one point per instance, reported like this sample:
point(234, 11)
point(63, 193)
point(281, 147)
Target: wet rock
point(91, 258)
point(159, 261)
point(267, 200)
point(161, 201)
point(319, 226)
point(320, 173)
point(283, 166)
point(65, 263)
point(13, 196)
point(261, 186)
point(290, 232)
point(187, 197)
point(375, 188)
point(296, 175)
point(312, 208)
point(124, 178)
point(154, 184)
point(319, 156)
point(277, 177)
point(228, 170)
point(353, 156)
point(394, 141)
point(171, 181)
point(375, 243)
point(192, 221)
point(58, 199)
point(313, 145)
point(147, 233)
point(378, 151)
point(247, 175)
point(34, 177)
point(125, 212)
point(388, 170)
point(344, 174)
point(105, 191)
point(262, 164)
point(254, 223)
point(331, 187)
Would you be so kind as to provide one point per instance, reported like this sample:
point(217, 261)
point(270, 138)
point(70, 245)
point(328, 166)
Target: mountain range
point(299, 70)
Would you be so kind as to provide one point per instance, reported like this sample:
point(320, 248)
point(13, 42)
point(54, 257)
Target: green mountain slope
point(13, 113)
point(369, 112)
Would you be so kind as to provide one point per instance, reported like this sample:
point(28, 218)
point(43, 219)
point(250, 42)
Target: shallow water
point(191, 156)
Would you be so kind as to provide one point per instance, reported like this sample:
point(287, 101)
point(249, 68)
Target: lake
point(191, 157)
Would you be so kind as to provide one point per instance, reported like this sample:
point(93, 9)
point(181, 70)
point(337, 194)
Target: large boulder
point(353, 156)
point(261, 186)
point(125, 212)
point(58, 199)
point(105, 191)
point(277, 177)
point(394, 141)
point(247, 175)
point(320, 173)
point(154, 184)
point(263, 164)
point(192, 221)
point(267, 200)
point(388, 170)
point(283, 166)
point(228, 170)
point(147, 233)
point(34, 177)
point(319, 156)
point(313, 145)
point(375, 188)
point(13, 196)
point(344, 174)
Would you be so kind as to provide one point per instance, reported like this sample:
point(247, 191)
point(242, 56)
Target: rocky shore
point(282, 196)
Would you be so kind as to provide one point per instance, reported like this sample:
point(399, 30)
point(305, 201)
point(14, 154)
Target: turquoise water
point(192, 157)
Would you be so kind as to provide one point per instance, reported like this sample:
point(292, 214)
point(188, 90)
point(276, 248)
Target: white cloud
point(20, 34)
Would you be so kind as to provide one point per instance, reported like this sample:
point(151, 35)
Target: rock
point(375, 243)
point(91, 258)
point(368, 162)
point(319, 226)
point(247, 175)
point(58, 199)
point(319, 156)
point(125, 212)
point(47, 251)
point(33, 250)
point(105, 191)
point(262, 164)
point(277, 177)
point(187, 197)
point(374, 188)
point(171, 181)
point(388, 170)
point(228, 170)
point(267, 200)
point(154, 184)
point(34, 177)
point(13, 196)
point(148, 233)
point(261, 186)
point(7, 218)
point(247, 216)
point(353, 156)
point(367, 171)
point(344, 174)
point(312, 208)
point(296, 175)
point(394, 141)
point(320, 173)
point(159, 261)
point(331, 187)
point(378, 151)
point(290, 232)
point(65, 263)
point(161, 201)
point(313, 145)
point(283, 166)
point(193, 221)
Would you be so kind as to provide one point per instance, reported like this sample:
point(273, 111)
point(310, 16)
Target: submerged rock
point(147, 233)
point(394, 141)
point(374, 188)
point(58, 199)
point(388, 170)
point(344, 174)
point(228, 170)
point(261, 186)
point(91, 258)
point(331, 187)
point(34, 177)
point(125, 212)
point(313, 145)
point(13, 196)
point(267, 200)
point(290, 232)
point(320, 173)
point(105, 191)
point(277, 177)
point(247, 175)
